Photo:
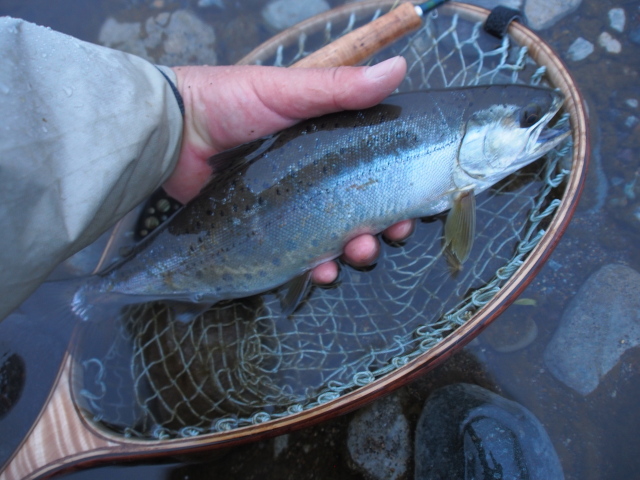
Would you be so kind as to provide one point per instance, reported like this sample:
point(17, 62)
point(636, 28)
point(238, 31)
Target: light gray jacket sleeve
point(86, 133)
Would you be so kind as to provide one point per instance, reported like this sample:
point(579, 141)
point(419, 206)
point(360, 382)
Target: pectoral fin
point(294, 292)
point(460, 226)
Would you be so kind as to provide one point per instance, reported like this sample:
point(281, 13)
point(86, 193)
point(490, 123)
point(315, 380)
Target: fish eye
point(530, 115)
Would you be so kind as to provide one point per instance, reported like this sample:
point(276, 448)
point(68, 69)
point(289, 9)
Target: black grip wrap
point(499, 19)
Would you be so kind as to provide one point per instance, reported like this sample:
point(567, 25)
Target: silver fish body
point(283, 204)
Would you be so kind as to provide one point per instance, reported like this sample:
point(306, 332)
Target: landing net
point(241, 363)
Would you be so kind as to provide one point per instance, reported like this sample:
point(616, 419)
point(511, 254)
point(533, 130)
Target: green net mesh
point(241, 363)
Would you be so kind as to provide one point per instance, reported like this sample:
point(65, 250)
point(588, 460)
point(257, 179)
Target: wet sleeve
point(86, 133)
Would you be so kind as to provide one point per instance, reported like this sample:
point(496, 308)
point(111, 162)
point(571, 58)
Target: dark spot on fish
point(276, 261)
point(247, 208)
point(262, 273)
point(210, 212)
point(198, 274)
point(291, 245)
point(248, 276)
point(234, 207)
point(222, 213)
point(227, 277)
point(278, 191)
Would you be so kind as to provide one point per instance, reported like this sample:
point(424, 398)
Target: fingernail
point(381, 69)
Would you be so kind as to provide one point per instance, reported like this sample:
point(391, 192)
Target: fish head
point(507, 130)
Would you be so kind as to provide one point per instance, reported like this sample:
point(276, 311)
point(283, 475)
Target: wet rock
point(579, 49)
point(170, 39)
point(617, 19)
point(281, 14)
point(211, 3)
point(599, 325)
point(280, 444)
point(634, 35)
point(467, 432)
point(123, 36)
point(543, 14)
point(379, 441)
point(631, 102)
point(610, 44)
point(490, 4)
point(12, 380)
point(184, 38)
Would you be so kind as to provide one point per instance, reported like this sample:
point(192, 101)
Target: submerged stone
point(379, 440)
point(491, 4)
point(599, 325)
point(543, 14)
point(617, 19)
point(178, 38)
point(281, 14)
point(609, 43)
point(580, 49)
point(467, 432)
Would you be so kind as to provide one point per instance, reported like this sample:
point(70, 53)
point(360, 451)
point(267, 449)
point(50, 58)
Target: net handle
point(364, 42)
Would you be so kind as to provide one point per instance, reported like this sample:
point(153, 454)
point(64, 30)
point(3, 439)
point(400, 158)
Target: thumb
point(248, 102)
point(317, 91)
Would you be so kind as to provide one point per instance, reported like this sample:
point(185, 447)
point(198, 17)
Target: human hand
point(226, 106)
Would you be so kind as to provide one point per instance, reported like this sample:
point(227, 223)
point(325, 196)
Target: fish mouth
point(544, 138)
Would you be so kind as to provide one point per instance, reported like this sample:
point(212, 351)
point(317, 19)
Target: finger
point(399, 231)
point(325, 273)
point(362, 251)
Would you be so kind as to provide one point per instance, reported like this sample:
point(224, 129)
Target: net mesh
point(241, 363)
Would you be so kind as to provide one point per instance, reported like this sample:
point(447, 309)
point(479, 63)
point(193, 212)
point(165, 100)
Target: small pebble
point(609, 43)
point(631, 102)
point(617, 19)
point(163, 205)
point(151, 222)
point(580, 49)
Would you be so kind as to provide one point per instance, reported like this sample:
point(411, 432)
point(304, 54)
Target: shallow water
point(595, 435)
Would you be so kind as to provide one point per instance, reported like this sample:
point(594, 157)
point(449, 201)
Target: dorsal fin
point(239, 155)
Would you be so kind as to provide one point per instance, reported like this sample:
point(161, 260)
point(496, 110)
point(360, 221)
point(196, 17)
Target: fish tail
point(83, 303)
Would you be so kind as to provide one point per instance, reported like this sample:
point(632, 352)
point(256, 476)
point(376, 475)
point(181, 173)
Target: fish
point(281, 205)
